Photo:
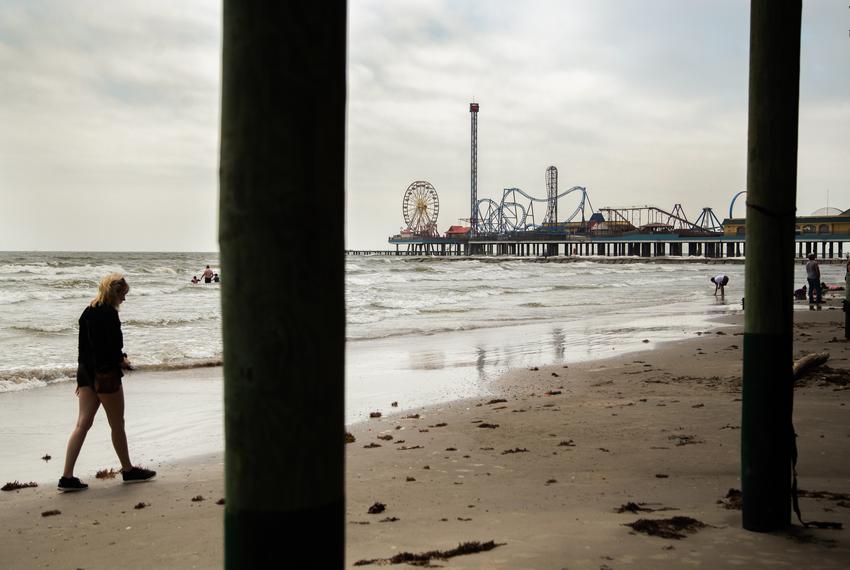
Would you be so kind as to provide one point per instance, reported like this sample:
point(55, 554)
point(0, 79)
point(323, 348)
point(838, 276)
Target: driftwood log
point(809, 362)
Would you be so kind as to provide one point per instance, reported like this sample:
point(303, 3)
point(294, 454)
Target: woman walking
point(101, 363)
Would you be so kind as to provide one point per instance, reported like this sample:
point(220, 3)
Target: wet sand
point(541, 474)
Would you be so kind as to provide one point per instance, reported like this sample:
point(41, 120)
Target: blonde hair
point(110, 288)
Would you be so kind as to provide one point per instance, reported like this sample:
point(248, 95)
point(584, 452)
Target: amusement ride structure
point(515, 211)
point(420, 207)
point(513, 214)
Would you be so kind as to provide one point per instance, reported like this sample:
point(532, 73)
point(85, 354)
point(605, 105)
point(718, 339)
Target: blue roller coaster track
point(515, 212)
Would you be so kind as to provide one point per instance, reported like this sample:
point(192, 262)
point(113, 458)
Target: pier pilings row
point(719, 248)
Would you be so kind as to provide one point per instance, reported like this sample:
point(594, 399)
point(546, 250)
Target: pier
point(645, 246)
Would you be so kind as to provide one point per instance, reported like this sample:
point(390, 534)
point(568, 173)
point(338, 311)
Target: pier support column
point(767, 437)
point(283, 147)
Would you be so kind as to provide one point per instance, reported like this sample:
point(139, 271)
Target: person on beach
point(720, 281)
point(800, 294)
point(813, 277)
point(101, 362)
point(207, 275)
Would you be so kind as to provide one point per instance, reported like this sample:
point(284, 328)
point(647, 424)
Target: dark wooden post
point(283, 151)
point(766, 432)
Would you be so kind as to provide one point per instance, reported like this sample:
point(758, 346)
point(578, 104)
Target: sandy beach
point(540, 468)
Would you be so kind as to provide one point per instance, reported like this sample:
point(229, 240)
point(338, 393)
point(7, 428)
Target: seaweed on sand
point(15, 485)
point(674, 527)
point(424, 558)
point(733, 500)
point(631, 507)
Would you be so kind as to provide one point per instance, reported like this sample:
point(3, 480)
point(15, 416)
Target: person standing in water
point(208, 275)
point(813, 277)
point(101, 362)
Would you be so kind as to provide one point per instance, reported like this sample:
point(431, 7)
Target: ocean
point(443, 317)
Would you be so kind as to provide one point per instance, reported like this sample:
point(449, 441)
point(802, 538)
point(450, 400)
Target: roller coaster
point(515, 211)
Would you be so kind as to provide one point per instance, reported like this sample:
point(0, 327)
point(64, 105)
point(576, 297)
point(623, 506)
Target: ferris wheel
point(420, 207)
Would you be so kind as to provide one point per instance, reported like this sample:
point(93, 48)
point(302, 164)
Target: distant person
point(216, 278)
point(195, 279)
point(207, 275)
point(813, 277)
point(800, 294)
point(720, 281)
point(101, 363)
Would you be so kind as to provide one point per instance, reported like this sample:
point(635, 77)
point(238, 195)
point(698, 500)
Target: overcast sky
point(109, 111)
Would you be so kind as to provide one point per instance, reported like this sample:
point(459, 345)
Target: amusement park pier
point(511, 227)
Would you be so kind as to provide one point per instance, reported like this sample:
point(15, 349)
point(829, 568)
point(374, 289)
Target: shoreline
point(571, 444)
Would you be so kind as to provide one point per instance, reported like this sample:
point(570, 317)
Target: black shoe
point(138, 475)
point(69, 484)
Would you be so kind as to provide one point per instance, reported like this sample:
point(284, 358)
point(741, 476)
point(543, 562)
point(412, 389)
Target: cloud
point(109, 107)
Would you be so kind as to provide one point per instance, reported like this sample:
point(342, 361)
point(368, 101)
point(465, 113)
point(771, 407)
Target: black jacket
point(101, 341)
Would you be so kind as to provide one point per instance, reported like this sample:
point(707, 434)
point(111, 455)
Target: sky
point(109, 112)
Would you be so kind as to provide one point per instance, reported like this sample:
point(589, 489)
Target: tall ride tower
point(473, 188)
point(551, 196)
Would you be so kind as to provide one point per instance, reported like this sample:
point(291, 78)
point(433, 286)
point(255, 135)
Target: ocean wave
point(27, 378)
point(30, 378)
point(162, 270)
point(14, 297)
point(168, 322)
point(43, 268)
point(43, 329)
point(447, 310)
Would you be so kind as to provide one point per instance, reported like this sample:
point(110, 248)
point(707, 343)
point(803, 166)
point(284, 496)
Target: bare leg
point(89, 405)
point(113, 405)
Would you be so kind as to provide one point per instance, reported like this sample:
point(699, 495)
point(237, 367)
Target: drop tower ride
point(473, 186)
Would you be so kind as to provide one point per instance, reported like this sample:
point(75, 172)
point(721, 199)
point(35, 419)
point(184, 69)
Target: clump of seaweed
point(15, 485)
point(377, 508)
point(424, 558)
point(140, 505)
point(198, 498)
point(107, 473)
point(515, 450)
point(732, 500)
point(51, 513)
point(674, 527)
point(349, 438)
point(631, 507)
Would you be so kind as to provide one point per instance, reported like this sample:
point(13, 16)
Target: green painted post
point(766, 432)
point(281, 221)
